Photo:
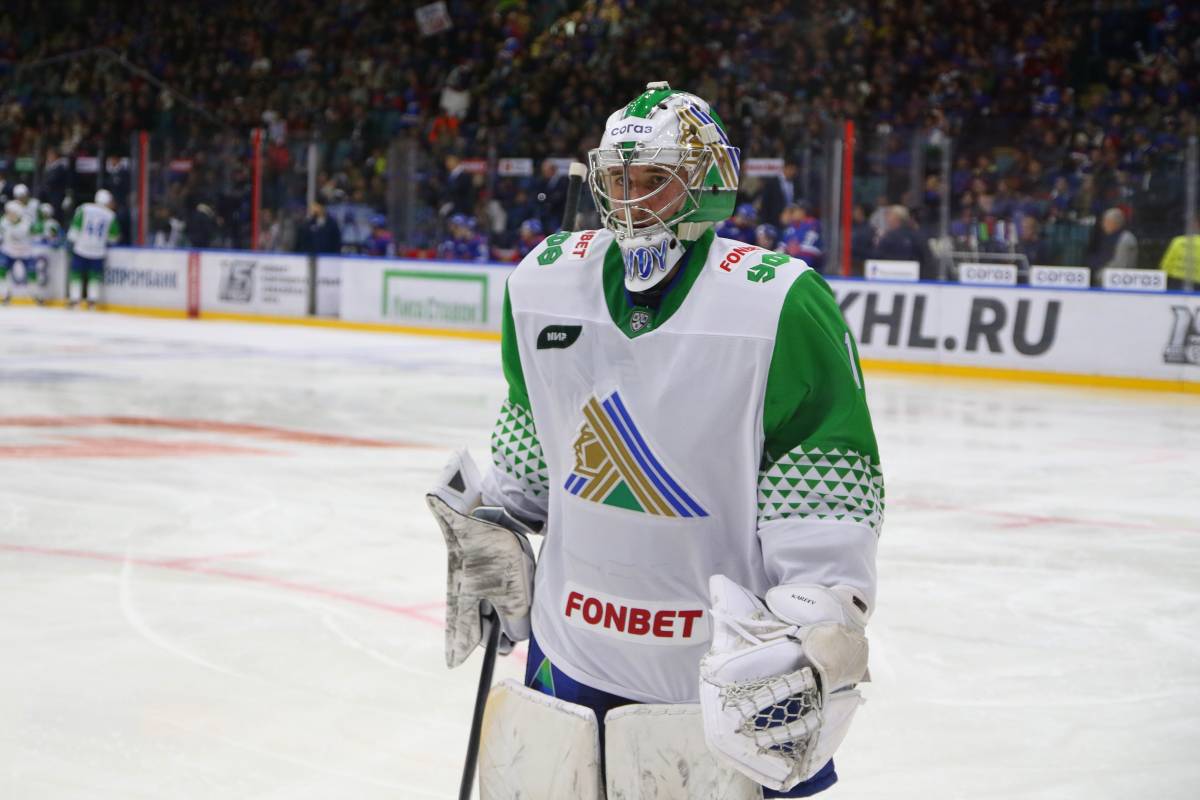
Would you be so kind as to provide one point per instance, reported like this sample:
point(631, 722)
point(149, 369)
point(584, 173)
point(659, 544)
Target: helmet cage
point(609, 172)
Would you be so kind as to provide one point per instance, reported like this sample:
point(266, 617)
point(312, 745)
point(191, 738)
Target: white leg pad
point(657, 752)
point(536, 747)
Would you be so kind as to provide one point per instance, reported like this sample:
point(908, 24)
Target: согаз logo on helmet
point(631, 127)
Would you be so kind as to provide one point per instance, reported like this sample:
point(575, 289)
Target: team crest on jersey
point(614, 465)
point(639, 320)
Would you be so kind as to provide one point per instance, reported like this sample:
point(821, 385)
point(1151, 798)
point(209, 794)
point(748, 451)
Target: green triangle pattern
point(822, 483)
point(517, 452)
point(621, 496)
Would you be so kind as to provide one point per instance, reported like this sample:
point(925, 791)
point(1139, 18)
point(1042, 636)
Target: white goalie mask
point(663, 174)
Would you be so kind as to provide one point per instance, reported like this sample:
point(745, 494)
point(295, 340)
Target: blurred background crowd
point(1056, 129)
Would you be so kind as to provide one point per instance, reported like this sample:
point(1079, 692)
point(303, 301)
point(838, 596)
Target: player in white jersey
point(29, 205)
point(687, 424)
point(92, 230)
point(47, 241)
point(16, 249)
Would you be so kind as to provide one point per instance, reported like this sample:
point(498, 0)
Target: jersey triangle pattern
point(615, 467)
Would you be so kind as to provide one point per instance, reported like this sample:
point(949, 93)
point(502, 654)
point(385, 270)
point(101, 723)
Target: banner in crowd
point(1065, 331)
point(429, 294)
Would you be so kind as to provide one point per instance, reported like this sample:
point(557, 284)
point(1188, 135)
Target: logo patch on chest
point(638, 320)
point(614, 465)
point(558, 336)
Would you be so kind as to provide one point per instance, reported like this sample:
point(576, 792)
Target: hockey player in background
point(529, 236)
point(92, 230)
point(801, 236)
point(463, 242)
point(741, 226)
point(16, 249)
point(47, 238)
point(29, 205)
point(686, 424)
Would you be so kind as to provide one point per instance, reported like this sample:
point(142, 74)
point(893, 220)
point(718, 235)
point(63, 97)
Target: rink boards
point(1100, 336)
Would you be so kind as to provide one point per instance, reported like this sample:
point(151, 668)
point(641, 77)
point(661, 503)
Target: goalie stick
point(481, 695)
point(574, 187)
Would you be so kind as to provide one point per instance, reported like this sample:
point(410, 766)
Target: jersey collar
point(633, 319)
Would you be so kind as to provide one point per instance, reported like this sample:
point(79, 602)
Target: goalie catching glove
point(490, 562)
point(776, 688)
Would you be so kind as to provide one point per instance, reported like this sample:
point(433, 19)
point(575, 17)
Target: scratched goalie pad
point(534, 746)
point(489, 562)
point(657, 752)
point(777, 694)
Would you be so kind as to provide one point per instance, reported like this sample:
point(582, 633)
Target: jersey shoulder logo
point(615, 467)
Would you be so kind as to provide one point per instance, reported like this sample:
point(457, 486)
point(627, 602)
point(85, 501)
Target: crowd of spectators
point(1066, 118)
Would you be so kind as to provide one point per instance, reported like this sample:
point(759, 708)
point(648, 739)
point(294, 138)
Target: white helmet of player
point(20, 191)
point(46, 210)
point(663, 174)
point(13, 210)
point(104, 198)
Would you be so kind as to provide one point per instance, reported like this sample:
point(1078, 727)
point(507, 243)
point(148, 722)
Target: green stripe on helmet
point(645, 102)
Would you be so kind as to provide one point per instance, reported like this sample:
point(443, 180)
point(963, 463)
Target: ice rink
point(219, 579)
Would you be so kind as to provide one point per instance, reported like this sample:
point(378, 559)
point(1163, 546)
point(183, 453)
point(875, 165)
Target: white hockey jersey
point(724, 431)
point(92, 230)
point(16, 240)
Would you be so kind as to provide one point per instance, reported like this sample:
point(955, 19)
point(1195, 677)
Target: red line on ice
point(204, 426)
point(193, 566)
point(124, 447)
point(1020, 520)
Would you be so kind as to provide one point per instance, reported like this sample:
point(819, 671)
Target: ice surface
point(219, 579)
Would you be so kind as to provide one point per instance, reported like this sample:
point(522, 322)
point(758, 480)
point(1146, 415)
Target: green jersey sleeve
point(820, 458)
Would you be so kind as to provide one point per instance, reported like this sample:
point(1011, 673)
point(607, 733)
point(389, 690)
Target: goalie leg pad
point(657, 752)
point(537, 747)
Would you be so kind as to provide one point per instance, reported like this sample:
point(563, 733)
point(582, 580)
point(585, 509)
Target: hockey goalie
point(686, 427)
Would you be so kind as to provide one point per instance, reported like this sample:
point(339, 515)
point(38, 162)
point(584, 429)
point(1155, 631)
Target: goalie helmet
point(663, 174)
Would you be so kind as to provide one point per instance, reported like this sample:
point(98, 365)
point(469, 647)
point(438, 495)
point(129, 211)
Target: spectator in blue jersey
point(379, 241)
point(463, 242)
point(740, 226)
point(801, 236)
point(766, 236)
point(529, 235)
